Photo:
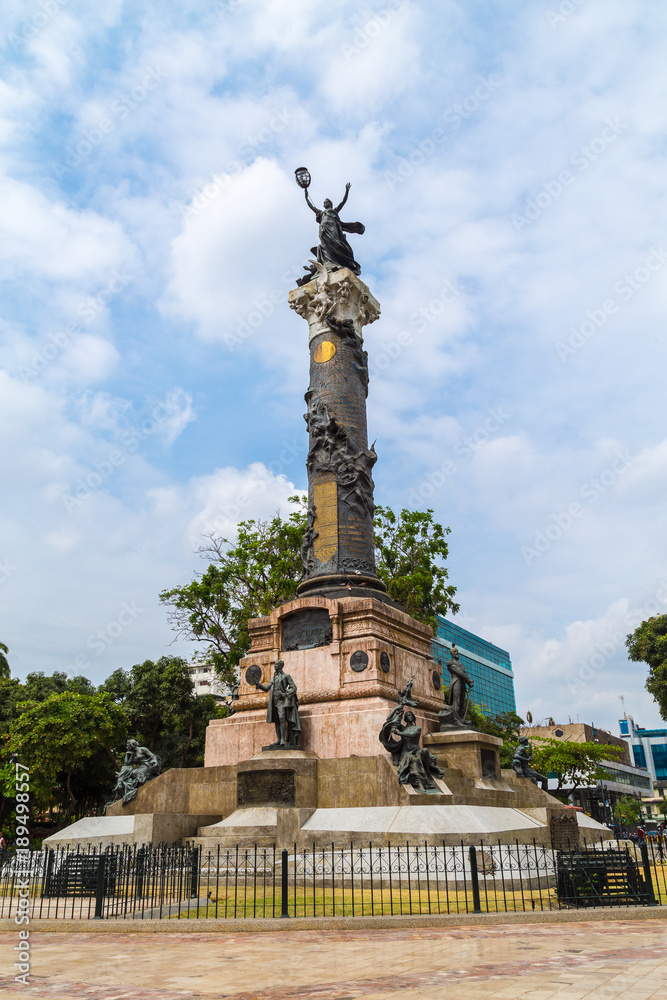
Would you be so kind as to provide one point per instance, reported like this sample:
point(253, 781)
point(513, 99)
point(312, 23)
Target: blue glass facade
point(489, 666)
point(649, 747)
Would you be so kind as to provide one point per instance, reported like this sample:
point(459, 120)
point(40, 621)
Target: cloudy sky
point(508, 161)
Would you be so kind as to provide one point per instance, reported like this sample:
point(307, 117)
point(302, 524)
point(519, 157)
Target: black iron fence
point(180, 882)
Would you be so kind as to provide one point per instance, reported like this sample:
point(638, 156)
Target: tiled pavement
point(623, 958)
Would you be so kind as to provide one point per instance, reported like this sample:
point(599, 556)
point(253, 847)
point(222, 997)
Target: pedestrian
point(3, 842)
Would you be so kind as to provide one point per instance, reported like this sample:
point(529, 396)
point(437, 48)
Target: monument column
point(338, 546)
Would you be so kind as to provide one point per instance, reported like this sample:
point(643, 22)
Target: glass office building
point(648, 747)
point(489, 666)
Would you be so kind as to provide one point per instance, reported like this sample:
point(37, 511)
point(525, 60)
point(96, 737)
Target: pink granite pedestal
point(342, 709)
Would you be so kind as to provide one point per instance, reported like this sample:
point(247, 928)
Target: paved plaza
point(615, 958)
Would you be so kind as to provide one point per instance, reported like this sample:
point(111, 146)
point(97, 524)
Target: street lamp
point(302, 178)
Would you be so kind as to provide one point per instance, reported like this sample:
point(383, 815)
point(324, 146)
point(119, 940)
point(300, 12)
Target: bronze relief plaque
point(253, 674)
point(265, 788)
point(359, 661)
point(306, 629)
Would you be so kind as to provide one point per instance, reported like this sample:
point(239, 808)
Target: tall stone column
point(338, 548)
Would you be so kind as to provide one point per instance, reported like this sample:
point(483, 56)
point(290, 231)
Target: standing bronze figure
point(400, 736)
point(283, 708)
point(333, 251)
point(454, 714)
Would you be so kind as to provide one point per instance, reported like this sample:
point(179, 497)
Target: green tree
point(574, 764)
point(662, 808)
point(409, 551)
point(628, 810)
point(65, 739)
point(245, 580)
point(162, 712)
point(648, 644)
point(4, 662)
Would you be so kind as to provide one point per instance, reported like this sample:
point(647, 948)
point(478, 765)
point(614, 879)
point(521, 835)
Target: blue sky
point(508, 161)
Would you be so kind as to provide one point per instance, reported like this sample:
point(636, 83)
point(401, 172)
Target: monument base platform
point(287, 797)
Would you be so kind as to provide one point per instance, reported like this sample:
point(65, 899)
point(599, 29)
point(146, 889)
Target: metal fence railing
point(162, 882)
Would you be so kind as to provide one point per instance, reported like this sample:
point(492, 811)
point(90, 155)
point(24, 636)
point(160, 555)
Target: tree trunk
point(70, 793)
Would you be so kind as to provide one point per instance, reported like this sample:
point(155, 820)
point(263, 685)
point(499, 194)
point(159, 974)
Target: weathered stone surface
point(341, 709)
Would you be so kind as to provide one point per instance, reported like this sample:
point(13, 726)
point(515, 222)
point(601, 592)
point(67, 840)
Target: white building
point(206, 681)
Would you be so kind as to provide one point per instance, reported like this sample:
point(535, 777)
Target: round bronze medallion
point(437, 680)
point(253, 675)
point(384, 661)
point(359, 661)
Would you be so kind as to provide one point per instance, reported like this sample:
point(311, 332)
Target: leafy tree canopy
point(574, 764)
point(648, 644)
point(4, 662)
point(64, 736)
point(409, 551)
point(244, 580)
point(162, 712)
point(628, 810)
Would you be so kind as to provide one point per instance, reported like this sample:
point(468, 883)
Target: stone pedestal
point(349, 658)
point(475, 754)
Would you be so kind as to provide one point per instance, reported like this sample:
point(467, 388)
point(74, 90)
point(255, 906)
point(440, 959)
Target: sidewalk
point(568, 960)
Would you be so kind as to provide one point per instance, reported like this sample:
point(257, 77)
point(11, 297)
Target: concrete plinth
point(474, 753)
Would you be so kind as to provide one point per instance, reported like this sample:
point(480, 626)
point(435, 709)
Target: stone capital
point(339, 294)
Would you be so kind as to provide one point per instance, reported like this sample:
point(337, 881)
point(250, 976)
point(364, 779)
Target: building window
point(639, 755)
point(659, 752)
point(558, 732)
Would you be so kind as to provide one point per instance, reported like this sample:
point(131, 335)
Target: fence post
point(474, 878)
point(139, 886)
point(194, 881)
point(99, 888)
point(648, 881)
point(284, 899)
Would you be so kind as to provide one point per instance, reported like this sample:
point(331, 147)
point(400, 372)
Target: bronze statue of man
point(283, 707)
point(522, 761)
point(459, 688)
